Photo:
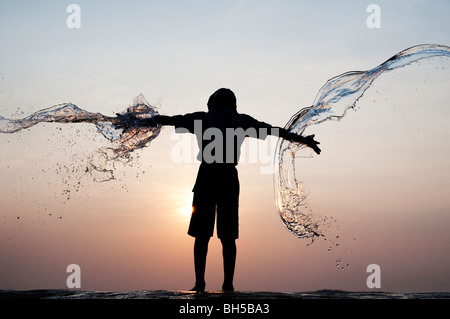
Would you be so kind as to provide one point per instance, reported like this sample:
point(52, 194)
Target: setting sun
point(186, 211)
point(184, 207)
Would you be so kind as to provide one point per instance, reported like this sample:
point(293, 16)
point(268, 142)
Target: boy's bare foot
point(227, 288)
point(198, 287)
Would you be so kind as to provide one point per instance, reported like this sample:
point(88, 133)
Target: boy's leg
point(201, 227)
point(229, 263)
point(200, 252)
point(228, 231)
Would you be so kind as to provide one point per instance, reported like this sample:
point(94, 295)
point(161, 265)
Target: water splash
point(123, 143)
point(333, 100)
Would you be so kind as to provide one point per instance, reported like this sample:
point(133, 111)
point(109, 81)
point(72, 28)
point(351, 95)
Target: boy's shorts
point(224, 201)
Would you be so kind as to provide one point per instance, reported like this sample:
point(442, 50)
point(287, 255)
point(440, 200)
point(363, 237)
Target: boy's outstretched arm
point(128, 120)
point(248, 122)
point(307, 140)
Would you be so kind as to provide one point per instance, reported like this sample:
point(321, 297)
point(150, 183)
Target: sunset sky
point(384, 171)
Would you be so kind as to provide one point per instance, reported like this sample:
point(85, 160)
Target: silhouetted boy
point(220, 133)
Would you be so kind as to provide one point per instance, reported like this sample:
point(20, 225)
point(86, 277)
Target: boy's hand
point(125, 121)
point(308, 141)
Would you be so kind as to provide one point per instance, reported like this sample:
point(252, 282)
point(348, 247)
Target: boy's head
point(222, 99)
